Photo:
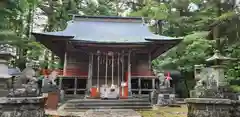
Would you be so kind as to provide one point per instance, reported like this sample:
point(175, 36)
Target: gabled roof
point(101, 29)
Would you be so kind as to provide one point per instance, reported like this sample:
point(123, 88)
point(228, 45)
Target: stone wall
point(22, 107)
point(209, 107)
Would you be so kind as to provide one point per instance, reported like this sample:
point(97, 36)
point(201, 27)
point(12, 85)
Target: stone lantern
point(218, 68)
point(216, 97)
point(5, 55)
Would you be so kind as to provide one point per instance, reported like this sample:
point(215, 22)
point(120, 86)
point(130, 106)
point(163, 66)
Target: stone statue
point(25, 85)
point(161, 79)
point(167, 83)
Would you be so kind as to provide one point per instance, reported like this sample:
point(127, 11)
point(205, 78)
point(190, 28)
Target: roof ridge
point(74, 17)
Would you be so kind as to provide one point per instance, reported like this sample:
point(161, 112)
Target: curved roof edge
point(54, 34)
point(71, 38)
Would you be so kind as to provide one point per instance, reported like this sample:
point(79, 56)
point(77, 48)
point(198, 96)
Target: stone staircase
point(83, 104)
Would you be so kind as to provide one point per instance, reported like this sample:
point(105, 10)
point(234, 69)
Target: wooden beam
point(114, 45)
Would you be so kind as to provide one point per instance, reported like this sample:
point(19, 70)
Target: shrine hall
point(104, 50)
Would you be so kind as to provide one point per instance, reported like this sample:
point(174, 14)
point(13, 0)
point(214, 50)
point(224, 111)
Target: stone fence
point(209, 107)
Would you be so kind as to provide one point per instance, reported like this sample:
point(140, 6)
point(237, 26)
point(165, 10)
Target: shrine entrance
point(108, 69)
point(109, 73)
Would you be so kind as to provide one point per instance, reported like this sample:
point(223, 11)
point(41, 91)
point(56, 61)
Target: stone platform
point(85, 104)
point(22, 107)
point(213, 107)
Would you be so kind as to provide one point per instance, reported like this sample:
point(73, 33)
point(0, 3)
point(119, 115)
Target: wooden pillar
point(90, 66)
point(118, 69)
point(65, 60)
point(122, 79)
point(129, 73)
point(139, 86)
point(60, 83)
point(98, 62)
point(149, 61)
point(112, 68)
point(153, 83)
point(65, 64)
point(75, 85)
point(106, 73)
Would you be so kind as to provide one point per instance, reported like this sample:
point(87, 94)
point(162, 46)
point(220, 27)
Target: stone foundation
point(209, 107)
point(22, 107)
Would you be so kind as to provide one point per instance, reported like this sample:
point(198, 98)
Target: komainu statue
point(25, 85)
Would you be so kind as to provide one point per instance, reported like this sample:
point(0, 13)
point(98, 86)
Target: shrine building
point(99, 50)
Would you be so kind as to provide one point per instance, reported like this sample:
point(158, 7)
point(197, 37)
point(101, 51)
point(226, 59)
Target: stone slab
point(94, 112)
point(208, 101)
point(63, 113)
point(19, 100)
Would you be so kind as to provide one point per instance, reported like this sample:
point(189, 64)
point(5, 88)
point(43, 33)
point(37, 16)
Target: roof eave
point(45, 34)
point(121, 43)
point(159, 39)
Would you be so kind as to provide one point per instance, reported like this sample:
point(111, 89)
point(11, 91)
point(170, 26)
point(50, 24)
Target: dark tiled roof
point(108, 30)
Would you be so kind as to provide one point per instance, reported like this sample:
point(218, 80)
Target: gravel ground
point(112, 113)
point(97, 113)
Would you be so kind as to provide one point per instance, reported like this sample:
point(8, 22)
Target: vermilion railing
point(78, 72)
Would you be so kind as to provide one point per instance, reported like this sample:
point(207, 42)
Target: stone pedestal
point(236, 110)
point(208, 107)
point(166, 96)
point(22, 107)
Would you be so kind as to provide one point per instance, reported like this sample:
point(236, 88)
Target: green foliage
point(194, 49)
point(15, 29)
point(235, 88)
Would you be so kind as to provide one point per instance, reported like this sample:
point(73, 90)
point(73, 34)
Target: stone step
point(109, 104)
point(72, 109)
point(107, 101)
